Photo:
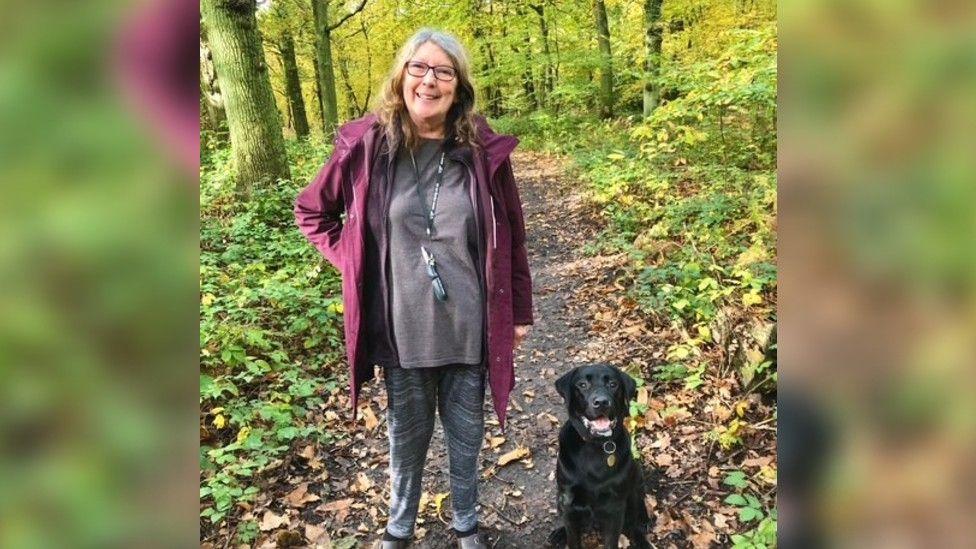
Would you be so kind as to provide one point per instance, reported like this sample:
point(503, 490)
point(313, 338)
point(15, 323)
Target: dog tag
point(611, 460)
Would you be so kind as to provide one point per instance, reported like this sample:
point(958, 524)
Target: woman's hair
point(392, 111)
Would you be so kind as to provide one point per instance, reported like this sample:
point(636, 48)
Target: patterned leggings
point(458, 393)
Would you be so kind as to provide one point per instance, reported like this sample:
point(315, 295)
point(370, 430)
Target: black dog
point(599, 483)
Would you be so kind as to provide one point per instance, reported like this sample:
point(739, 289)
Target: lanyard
point(429, 214)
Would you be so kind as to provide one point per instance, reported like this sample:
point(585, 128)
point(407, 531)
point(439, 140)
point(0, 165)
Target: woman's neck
point(430, 130)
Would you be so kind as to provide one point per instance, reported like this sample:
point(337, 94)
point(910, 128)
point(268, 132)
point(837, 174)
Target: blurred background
point(98, 261)
point(877, 295)
point(98, 265)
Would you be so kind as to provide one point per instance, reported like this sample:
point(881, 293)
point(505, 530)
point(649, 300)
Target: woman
point(436, 282)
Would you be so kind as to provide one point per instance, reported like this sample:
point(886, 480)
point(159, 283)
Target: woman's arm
point(318, 207)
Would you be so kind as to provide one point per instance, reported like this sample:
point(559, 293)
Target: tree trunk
point(323, 57)
point(318, 93)
point(257, 146)
point(606, 67)
point(293, 86)
point(352, 105)
point(652, 63)
point(211, 100)
point(548, 73)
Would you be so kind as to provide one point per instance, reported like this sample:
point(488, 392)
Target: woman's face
point(428, 98)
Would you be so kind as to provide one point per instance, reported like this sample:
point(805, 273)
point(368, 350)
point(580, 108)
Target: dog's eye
point(582, 384)
point(612, 384)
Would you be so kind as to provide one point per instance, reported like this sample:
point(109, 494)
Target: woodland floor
point(337, 496)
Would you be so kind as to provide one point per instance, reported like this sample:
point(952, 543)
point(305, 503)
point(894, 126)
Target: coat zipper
point(494, 230)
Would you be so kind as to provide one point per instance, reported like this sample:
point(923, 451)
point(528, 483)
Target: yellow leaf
point(751, 299)
point(495, 442)
point(741, 408)
point(439, 502)
point(208, 299)
point(518, 453)
point(220, 421)
point(243, 434)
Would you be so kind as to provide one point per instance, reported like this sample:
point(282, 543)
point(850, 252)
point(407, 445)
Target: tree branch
point(348, 15)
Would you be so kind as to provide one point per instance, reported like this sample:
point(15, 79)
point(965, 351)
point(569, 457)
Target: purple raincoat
point(342, 186)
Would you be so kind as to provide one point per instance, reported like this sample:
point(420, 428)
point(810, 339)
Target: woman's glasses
point(435, 279)
point(441, 72)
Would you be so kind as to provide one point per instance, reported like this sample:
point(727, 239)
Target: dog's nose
point(600, 402)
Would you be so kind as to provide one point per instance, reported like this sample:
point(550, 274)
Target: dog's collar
point(610, 449)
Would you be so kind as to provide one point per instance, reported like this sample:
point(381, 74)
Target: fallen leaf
point(663, 442)
point(317, 536)
point(651, 502)
point(348, 542)
point(703, 539)
point(642, 396)
point(300, 496)
point(307, 452)
point(369, 418)
point(363, 483)
point(495, 442)
point(439, 502)
point(758, 461)
point(722, 413)
point(271, 521)
point(339, 507)
point(663, 460)
point(720, 520)
point(518, 453)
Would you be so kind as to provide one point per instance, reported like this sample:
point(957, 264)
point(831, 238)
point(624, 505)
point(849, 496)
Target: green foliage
point(689, 192)
point(762, 536)
point(270, 330)
point(750, 510)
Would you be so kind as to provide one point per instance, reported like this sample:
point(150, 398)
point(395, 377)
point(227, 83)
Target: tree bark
point(548, 74)
point(323, 59)
point(352, 105)
point(257, 146)
point(606, 57)
point(211, 100)
point(293, 86)
point(318, 92)
point(652, 63)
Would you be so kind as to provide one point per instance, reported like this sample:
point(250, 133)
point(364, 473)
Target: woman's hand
point(520, 333)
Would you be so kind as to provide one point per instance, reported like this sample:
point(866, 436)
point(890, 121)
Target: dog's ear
point(630, 386)
point(564, 385)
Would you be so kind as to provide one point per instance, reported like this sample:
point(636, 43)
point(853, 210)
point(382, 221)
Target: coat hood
point(497, 147)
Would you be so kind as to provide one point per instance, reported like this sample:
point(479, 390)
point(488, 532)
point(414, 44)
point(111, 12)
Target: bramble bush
point(270, 329)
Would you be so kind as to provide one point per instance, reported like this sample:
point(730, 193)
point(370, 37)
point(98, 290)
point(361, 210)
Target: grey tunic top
point(428, 332)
